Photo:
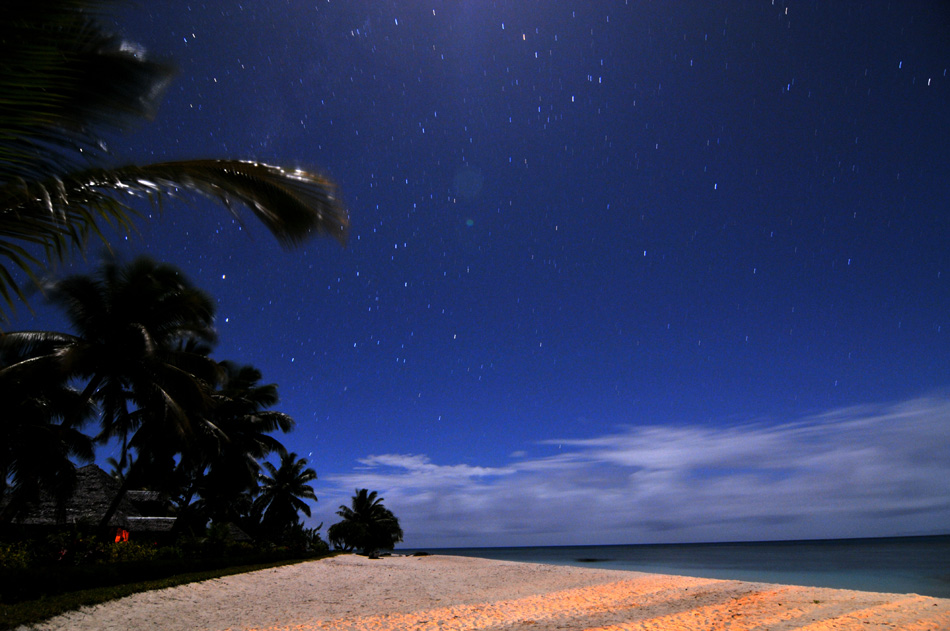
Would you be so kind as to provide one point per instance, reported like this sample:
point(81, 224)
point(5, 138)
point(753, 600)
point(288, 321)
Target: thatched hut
point(94, 492)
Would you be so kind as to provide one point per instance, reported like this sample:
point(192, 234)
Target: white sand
point(443, 592)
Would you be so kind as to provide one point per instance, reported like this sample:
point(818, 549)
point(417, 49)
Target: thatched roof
point(95, 490)
point(150, 524)
point(150, 503)
point(235, 533)
point(137, 497)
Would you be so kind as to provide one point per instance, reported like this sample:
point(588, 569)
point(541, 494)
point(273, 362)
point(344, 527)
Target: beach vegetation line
point(192, 434)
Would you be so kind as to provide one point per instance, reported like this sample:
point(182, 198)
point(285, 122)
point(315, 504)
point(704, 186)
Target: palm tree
point(136, 326)
point(230, 466)
point(63, 78)
point(367, 525)
point(282, 495)
point(39, 436)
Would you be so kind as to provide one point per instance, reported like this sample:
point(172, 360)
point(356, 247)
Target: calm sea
point(919, 565)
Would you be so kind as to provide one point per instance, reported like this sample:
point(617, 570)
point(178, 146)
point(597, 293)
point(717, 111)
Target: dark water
point(919, 565)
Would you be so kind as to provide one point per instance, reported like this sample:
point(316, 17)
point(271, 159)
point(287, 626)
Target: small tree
point(367, 525)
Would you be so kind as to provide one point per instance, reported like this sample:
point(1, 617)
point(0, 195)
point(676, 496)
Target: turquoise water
point(919, 565)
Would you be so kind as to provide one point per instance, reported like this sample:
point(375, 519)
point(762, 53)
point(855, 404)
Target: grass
point(34, 611)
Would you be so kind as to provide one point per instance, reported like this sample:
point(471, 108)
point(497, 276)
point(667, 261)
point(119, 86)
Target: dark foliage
point(367, 525)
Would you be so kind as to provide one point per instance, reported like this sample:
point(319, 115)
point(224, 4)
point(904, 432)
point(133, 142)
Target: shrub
point(71, 546)
point(15, 556)
point(169, 553)
point(129, 551)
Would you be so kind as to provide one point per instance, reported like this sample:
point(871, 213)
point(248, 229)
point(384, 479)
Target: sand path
point(442, 593)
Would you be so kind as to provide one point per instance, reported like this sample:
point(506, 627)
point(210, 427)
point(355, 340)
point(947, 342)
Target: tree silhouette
point(40, 435)
point(367, 525)
point(282, 494)
point(230, 464)
point(133, 346)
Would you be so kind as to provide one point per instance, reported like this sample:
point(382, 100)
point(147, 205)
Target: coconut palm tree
point(136, 327)
point(367, 525)
point(282, 494)
point(230, 464)
point(132, 327)
point(63, 82)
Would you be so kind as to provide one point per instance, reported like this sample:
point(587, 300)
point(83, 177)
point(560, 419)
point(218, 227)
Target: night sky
point(619, 272)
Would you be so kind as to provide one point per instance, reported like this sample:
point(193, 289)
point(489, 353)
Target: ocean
point(918, 565)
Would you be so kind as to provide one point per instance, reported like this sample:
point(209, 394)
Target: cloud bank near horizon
point(873, 470)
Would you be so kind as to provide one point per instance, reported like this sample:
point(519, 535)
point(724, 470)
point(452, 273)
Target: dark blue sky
point(619, 272)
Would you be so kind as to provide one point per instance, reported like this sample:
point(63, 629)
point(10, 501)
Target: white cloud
point(425, 471)
point(859, 471)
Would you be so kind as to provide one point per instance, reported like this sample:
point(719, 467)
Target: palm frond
point(62, 76)
point(59, 212)
point(293, 204)
point(271, 421)
point(19, 346)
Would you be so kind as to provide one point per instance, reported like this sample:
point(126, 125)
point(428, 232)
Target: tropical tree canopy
point(367, 525)
point(132, 325)
point(64, 81)
point(138, 357)
point(136, 329)
point(229, 464)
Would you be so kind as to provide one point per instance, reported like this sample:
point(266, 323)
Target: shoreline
point(449, 592)
point(893, 565)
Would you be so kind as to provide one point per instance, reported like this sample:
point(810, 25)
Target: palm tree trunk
point(120, 494)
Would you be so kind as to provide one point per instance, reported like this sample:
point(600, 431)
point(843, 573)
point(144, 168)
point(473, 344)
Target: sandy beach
point(444, 592)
